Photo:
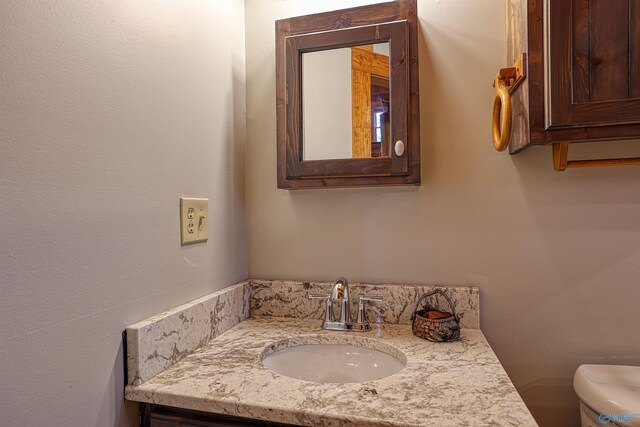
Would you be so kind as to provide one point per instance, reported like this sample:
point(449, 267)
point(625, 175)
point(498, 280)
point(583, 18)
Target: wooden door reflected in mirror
point(371, 101)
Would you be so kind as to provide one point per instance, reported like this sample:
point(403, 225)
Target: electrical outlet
point(194, 224)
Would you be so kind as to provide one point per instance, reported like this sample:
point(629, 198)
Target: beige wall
point(109, 112)
point(556, 255)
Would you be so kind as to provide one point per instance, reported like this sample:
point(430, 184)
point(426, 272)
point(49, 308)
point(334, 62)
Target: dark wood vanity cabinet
point(583, 76)
point(164, 416)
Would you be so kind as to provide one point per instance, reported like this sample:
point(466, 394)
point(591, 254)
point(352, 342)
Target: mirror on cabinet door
point(347, 98)
point(346, 103)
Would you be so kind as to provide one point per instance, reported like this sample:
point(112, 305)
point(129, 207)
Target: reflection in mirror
point(346, 102)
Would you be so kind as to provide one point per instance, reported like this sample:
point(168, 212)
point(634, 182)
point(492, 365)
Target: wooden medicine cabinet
point(347, 97)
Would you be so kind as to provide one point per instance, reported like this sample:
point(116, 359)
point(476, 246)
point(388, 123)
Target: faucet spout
point(340, 293)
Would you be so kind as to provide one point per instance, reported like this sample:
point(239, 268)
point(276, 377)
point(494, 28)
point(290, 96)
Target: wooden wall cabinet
point(583, 75)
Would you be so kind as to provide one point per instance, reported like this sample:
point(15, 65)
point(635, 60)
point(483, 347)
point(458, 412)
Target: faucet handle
point(362, 314)
point(328, 312)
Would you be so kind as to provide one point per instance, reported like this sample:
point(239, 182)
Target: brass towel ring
point(506, 82)
point(501, 120)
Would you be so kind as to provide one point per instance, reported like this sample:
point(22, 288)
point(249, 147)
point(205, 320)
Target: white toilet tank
point(609, 395)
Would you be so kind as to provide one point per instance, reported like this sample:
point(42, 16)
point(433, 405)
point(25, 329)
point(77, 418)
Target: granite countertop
point(443, 384)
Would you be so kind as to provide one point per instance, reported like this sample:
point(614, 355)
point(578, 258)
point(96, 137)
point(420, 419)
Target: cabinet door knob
point(399, 148)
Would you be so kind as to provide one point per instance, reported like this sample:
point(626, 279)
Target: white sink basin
point(338, 362)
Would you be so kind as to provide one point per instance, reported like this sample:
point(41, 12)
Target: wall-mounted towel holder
point(561, 161)
point(506, 82)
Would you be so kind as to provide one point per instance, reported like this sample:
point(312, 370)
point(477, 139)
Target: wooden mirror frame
point(395, 22)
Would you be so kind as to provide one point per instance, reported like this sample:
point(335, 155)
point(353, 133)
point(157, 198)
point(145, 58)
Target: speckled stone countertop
point(442, 384)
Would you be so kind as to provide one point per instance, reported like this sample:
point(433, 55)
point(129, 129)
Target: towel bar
point(561, 162)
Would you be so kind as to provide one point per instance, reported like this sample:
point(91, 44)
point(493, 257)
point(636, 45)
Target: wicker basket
point(436, 330)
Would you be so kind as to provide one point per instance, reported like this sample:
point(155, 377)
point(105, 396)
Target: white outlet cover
point(194, 220)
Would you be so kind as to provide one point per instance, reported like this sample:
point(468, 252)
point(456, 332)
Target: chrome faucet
point(340, 293)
